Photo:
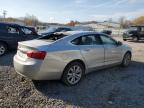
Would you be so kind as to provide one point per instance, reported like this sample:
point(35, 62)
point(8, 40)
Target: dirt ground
point(115, 87)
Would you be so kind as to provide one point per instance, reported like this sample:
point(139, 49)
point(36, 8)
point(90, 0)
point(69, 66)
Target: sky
point(62, 11)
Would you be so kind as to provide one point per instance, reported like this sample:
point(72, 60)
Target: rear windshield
point(54, 36)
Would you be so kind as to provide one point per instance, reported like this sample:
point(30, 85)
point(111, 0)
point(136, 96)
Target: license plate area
point(22, 55)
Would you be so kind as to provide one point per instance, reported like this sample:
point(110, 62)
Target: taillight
point(36, 54)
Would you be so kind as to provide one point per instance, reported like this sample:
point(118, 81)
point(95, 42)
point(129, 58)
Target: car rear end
point(28, 61)
point(40, 59)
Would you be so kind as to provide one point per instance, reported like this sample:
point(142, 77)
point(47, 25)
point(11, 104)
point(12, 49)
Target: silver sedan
point(69, 56)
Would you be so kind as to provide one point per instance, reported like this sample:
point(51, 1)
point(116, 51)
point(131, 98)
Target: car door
point(92, 50)
point(13, 35)
point(113, 52)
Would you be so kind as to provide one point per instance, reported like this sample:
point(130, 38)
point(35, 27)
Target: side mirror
point(118, 43)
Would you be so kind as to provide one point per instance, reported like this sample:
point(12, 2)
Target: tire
point(126, 60)
point(135, 38)
point(3, 48)
point(73, 73)
point(125, 39)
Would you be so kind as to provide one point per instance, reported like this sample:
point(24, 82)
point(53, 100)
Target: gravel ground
point(110, 88)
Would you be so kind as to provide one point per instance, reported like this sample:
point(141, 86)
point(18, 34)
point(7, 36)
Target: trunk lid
point(35, 43)
point(32, 45)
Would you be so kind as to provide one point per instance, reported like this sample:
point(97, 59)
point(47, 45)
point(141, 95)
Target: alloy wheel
point(127, 59)
point(2, 49)
point(74, 74)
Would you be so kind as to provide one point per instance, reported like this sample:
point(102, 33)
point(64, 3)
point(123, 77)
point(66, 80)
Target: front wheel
point(126, 60)
point(73, 73)
point(135, 38)
point(3, 48)
point(124, 39)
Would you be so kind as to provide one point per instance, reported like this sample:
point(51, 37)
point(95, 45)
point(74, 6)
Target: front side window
point(27, 31)
point(87, 40)
point(50, 29)
point(107, 40)
point(13, 30)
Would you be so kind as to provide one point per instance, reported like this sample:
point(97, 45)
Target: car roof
point(10, 24)
point(70, 35)
point(13, 24)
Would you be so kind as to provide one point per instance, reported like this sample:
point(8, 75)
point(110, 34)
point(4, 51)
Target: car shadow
point(94, 89)
point(140, 41)
point(7, 59)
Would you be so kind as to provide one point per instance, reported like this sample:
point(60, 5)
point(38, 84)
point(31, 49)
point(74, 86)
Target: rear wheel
point(126, 60)
point(73, 73)
point(3, 48)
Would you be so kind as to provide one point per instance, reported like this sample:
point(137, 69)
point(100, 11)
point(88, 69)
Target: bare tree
point(124, 23)
point(31, 20)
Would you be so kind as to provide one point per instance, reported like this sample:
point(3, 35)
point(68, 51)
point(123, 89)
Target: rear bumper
point(33, 70)
point(27, 69)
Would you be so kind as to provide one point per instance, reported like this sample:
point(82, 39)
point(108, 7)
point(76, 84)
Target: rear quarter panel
point(57, 58)
point(126, 48)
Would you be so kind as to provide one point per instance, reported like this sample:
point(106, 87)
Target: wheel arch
point(64, 75)
point(127, 52)
point(4, 43)
point(76, 60)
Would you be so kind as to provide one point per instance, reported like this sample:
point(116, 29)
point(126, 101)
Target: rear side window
point(87, 40)
point(12, 30)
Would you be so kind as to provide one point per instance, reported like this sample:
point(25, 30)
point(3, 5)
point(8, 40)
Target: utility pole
point(4, 14)
point(0, 16)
